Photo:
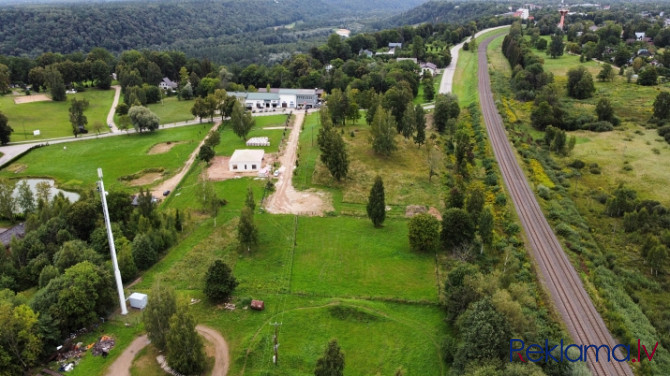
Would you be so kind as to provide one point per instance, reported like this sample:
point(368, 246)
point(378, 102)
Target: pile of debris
point(102, 347)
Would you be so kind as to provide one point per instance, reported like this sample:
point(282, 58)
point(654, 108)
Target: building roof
point(395, 45)
point(169, 83)
point(407, 58)
point(263, 96)
point(428, 66)
point(17, 231)
point(298, 91)
point(247, 155)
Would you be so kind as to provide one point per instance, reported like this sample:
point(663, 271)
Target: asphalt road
point(567, 293)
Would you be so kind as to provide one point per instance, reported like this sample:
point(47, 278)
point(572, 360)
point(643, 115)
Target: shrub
point(598, 126)
point(544, 192)
point(578, 164)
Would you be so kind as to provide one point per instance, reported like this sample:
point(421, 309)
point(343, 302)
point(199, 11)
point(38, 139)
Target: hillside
point(447, 11)
point(198, 28)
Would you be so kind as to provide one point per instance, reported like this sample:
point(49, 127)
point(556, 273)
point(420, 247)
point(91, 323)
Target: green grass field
point(74, 165)
point(230, 141)
point(465, 78)
point(172, 110)
point(52, 118)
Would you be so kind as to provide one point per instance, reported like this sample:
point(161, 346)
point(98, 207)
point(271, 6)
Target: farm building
point(278, 98)
point(258, 141)
point(246, 160)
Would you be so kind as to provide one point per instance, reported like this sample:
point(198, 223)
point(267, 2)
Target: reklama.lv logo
point(536, 353)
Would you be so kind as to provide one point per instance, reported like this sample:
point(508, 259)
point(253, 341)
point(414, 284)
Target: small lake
point(32, 183)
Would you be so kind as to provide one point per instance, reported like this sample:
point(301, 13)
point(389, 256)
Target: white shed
point(138, 300)
point(246, 160)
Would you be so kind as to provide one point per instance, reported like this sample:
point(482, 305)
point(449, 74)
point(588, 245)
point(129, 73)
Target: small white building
point(138, 300)
point(258, 141)
point(246, 160)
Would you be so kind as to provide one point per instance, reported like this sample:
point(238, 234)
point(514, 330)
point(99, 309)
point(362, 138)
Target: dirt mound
point(412, 210)
point(31, 98)
point(163, 147)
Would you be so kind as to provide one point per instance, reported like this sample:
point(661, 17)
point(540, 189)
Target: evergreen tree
point(250, 202)
point(376, 207)
point(457, 228)
point(219, 282)
point(161, 306)
point(383, 141)
point(247, 233)
point(420, 137)
point(184, 350)
point(332, 361)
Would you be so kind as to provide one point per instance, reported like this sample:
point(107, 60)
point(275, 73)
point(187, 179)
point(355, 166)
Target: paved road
point(448, 76)
point(583, 322)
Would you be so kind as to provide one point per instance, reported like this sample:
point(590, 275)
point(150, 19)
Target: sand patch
point(145, 179)
point(31, 98)
point(163, 147)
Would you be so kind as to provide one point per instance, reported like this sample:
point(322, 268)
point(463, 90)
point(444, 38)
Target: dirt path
point(221, 355)
point(121, 366)
point(171, 183)
point(112, 111)
point(286, 200)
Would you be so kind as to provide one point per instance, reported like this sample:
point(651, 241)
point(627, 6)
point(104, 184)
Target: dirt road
point(122, 364)
point(221, 355)
point(285, 199)
point(112, 110)
point(583, 322)
point(171, 183)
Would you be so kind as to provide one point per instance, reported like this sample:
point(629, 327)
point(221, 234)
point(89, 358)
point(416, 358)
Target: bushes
point(598, 126)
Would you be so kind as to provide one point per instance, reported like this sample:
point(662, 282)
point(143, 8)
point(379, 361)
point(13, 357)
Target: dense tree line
point(528, 73)
point(63, 254)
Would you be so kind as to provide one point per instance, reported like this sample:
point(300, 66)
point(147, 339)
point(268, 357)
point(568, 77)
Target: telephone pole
point(275, 358)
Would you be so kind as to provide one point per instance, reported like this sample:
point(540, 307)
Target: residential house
point(428, 67)
point(18, 231)
point(244, 160)
point(168, 84)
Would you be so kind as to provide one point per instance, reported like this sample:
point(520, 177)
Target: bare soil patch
point(286, 200)
point(31, 98)
point(218, 168)
point(17, 168)
point(163, 147)
point(145, 179)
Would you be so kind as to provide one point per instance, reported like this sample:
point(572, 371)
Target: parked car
point(166, 193)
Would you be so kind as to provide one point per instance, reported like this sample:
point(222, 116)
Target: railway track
point(583, 322)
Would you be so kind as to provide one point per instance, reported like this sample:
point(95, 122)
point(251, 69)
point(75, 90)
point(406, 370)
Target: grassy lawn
point(405, 172)
point(75, 168)
point(172, 110)
point(230, 141)
point(52, 118)
point(357, 258)
point(465, 77)
point(436, 85)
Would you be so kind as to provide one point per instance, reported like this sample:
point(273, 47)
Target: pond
point(32, 183)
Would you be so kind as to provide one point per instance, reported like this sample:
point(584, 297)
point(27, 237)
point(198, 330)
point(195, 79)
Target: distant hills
point(224, 31)
point(448, 11)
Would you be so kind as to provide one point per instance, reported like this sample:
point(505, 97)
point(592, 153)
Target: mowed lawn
point(230, 141)
point(172, 110)
point(74, 165)
point(52, 119)
point(348, 257)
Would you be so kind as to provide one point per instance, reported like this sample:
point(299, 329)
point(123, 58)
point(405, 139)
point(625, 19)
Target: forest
point(221, 31)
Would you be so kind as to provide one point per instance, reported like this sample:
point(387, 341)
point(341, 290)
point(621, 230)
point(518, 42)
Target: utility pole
point(275, 358)
point(112, 249)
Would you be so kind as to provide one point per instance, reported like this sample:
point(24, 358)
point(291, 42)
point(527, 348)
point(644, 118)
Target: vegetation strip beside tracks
point(571, 300)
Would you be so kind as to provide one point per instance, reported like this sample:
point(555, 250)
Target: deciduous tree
point(241, 120)
point(424, 233)
point(161, 305)
point(376, 207)
point(580, 83)
point(556, 46)
point(5, 129)
point(420, 137)
point(77, 117)
point(457, 228)
point(206, 153)
point(382, 132)
point(184, 348)
point(247, 233)
point(408, 122)
point(143, 118)
point(446, 107)
point(661, 106)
